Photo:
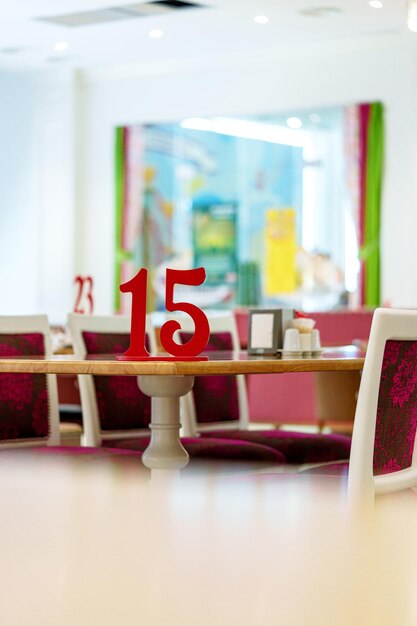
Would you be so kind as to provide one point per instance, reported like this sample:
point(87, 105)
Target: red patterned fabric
point(121, 404)
point(396, 420)
point(24, 408)
point(215, 397)
point(216, 448)
point(296, 447)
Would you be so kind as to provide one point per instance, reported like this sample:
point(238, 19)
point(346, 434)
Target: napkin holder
point(266, 329)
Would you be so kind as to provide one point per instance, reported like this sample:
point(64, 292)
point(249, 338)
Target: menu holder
point(266, 330)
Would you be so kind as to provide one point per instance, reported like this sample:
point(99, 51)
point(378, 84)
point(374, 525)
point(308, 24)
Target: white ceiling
point(220, 27)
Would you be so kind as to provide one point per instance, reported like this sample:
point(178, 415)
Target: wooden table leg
point(165, 450)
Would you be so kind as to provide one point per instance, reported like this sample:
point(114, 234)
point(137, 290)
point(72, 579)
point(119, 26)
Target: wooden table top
point(346, 358)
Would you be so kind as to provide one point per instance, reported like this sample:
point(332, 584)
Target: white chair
point(29, 414)
point(105, 399)
point(383, 456)
point(217, 406)
point(224, 336)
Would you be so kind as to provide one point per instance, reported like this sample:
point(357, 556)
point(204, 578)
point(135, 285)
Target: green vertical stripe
point(119, 161)
point(374, 175)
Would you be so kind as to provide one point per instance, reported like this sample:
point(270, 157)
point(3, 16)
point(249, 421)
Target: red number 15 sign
point(137, 287)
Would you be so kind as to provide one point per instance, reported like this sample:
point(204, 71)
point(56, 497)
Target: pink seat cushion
point(296, 447)
point(121, 404)
point(216, 448)
point(24, 408)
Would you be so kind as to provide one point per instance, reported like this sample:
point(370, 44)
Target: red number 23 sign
point(84, 302)
point(137, 287)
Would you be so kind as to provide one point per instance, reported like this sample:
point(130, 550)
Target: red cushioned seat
point(213, 448)
point(296, 447)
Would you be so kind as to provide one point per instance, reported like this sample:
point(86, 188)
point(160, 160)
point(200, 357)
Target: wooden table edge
point(61, 365)
point(270, 366)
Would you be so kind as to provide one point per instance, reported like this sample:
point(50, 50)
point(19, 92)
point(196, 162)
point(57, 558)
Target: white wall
point(270, 81)
point(36, 210)
point(55, 173)
point(19, 223)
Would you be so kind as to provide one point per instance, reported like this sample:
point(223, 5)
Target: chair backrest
point(29, 414)
point(383, 455)
point(112, 406)
point(215, 402)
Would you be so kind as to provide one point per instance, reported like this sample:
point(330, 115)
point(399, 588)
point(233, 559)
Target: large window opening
point(268, 206)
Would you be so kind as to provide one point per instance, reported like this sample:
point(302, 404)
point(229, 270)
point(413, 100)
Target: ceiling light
point(156, 33)
point(61, 46)
point(261, 19)
point(294, 122)
point(376, 4)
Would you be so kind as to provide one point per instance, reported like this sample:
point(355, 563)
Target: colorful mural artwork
point(214, 241)
point(191, 198)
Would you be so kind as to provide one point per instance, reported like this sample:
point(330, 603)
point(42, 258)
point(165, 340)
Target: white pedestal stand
point(165, 450)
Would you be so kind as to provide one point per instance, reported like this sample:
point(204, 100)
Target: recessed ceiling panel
point(123, 12)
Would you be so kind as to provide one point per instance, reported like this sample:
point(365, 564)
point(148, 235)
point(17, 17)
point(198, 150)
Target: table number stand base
point(165, 450)
point(122, 357)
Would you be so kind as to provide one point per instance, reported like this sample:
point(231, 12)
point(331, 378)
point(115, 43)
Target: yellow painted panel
point(281, 248)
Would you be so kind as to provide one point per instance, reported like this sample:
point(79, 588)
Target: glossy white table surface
point(90, 542)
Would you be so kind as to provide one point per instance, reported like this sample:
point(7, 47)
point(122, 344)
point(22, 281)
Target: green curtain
point(370, 252)
point(119, 202)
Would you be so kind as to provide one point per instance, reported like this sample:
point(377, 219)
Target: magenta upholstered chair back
point(28, 402)
point(383, 456)
point(396, 419)
point(215, 397)
point(112, 406)
point(120, 403)
point(23, 397)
